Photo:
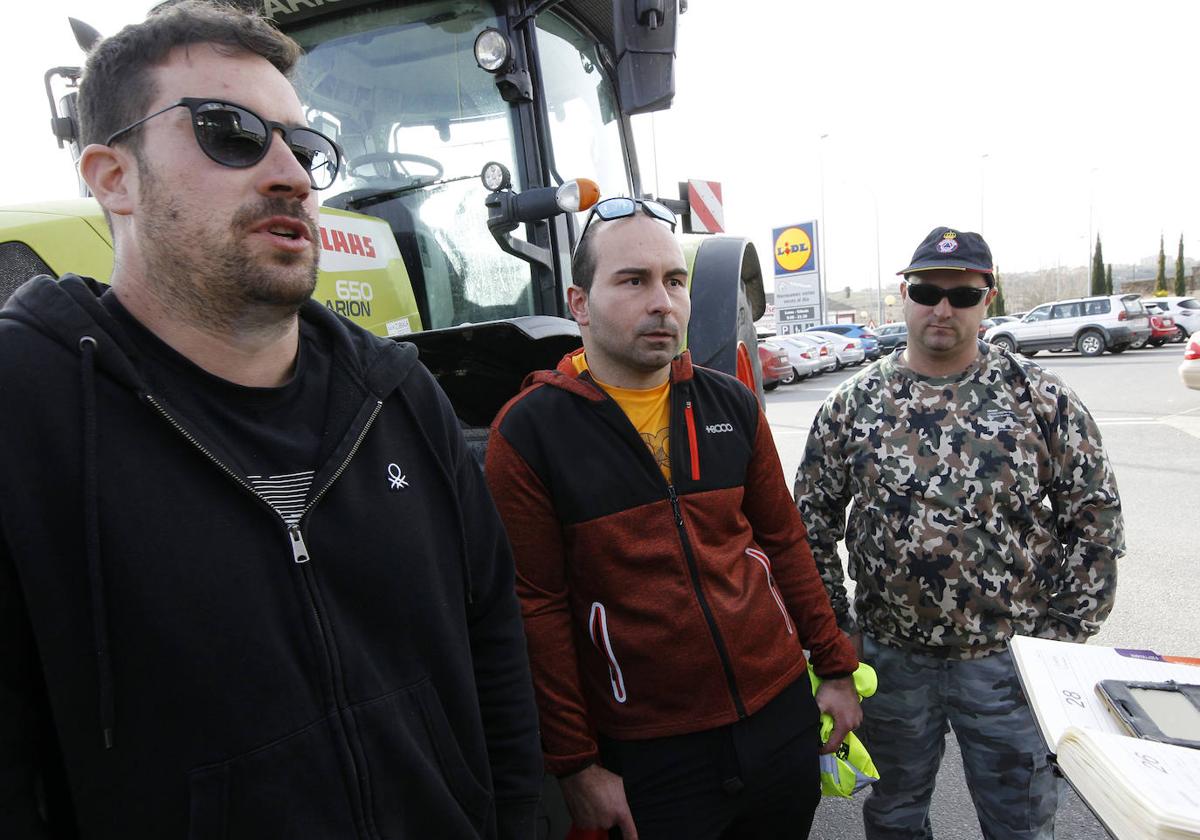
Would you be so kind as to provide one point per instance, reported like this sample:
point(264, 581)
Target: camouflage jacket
point(982, 505)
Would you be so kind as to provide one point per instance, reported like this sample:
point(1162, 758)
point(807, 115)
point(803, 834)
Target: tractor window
point(582, 108)
point(398, 87)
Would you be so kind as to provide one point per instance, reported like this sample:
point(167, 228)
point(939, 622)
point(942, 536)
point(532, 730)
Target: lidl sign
point(796, 248)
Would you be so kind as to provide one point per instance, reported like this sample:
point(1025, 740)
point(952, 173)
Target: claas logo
point(793, 249)
point(333, 239)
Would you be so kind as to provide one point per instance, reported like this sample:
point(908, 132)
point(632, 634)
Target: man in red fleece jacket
point(666, 583)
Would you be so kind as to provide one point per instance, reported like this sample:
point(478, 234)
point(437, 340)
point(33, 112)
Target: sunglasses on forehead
point(960, 297)
point(622, 208)
point(235, 136)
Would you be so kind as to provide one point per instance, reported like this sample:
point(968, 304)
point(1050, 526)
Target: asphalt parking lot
point(1150, 425)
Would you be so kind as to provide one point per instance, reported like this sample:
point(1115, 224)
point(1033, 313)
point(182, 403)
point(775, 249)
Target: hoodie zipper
point(689, 556)
point(301, 557)
point(299, 549)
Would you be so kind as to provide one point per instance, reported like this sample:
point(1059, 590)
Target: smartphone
point(1157, 711)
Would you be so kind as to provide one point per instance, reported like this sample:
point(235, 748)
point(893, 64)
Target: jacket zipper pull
point(675, 505)
point(299, 549)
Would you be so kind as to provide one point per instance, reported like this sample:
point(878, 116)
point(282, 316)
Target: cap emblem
point(948, 245)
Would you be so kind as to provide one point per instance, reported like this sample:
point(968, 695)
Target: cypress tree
point(1098, 269)
point(1108, 280)
point(1180, 283)
point(1160, 281)
point(996, 307)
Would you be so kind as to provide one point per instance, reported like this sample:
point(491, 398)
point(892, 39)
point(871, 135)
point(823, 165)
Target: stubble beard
point(633, 354)
point(208, 275)
point(941, 341)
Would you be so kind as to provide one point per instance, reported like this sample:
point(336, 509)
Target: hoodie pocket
point(415, 783)
point(421, 784)
point(765, 562)
point(293, 787)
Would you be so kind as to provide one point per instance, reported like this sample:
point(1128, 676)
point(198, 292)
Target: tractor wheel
point(726, 284)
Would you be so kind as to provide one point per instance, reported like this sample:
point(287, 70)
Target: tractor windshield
point(398, 87)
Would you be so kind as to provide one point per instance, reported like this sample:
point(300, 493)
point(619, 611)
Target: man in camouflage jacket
point(982, 506)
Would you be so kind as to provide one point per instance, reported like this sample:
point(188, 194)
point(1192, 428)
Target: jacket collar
point(566, 377)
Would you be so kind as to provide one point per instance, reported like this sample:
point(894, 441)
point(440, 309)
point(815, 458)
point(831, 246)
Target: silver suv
point(1091, 325)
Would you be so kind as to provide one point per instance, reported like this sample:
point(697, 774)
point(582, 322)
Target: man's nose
point(660, 298)
point(943, 308)
point(281, 171)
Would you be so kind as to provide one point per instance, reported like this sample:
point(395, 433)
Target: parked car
point(1185, 311)
point(867, 338)
point(805, 357)
point(891, 336)
point(1189, 369)
point(775, 364)
point(1162, 330)
point(987, 323)
point(822, 349)
point(849, 351)
point(1091, 325)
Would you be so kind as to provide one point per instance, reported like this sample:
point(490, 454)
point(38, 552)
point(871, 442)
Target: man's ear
point(991, 295)
point(577, 302)
point(903, 290)
point(111, 176)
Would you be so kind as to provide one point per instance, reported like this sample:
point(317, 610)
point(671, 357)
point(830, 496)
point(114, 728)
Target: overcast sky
point(1082, 109)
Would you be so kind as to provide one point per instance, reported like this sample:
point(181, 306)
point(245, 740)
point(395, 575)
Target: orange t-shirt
point(648, 409)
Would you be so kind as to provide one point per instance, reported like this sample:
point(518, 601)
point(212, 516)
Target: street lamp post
point(1087, 289)
point(823, 265)
point(982, 184)
point(878, 270)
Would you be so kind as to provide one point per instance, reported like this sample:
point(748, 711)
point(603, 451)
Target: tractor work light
point(495, 176)
point(577, 195)
point(493, 52)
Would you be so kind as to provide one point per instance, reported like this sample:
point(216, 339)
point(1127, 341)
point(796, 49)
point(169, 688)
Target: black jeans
point(756, 779)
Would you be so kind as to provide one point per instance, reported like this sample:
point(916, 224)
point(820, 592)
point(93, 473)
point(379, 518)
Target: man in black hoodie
point(251, 582)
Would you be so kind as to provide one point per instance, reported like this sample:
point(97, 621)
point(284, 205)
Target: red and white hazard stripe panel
point(707, 211)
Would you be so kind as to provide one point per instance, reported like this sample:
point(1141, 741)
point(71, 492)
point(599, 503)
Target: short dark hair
point(583, 262)
point(117, 87)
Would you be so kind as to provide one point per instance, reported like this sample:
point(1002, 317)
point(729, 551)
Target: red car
point(1162, 330)
point(775, 364)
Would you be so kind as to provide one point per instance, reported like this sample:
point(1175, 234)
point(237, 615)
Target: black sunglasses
point(623, 208)
point(960, 297)
point(235, 136)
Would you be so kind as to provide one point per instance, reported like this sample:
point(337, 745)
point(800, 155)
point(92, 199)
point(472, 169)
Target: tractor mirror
point(644, 37)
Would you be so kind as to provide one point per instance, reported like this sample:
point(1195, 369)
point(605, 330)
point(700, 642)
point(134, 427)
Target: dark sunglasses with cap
point(954, 250)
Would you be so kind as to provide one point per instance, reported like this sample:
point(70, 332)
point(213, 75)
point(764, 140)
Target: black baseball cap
point(957, 250)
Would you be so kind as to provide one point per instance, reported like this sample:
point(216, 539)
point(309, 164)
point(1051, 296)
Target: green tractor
point(462, 122)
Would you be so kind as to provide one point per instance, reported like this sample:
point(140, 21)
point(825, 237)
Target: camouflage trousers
point(920, 697)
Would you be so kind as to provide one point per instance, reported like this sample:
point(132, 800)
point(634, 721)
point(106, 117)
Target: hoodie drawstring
point(463, 560)
point(91, 516)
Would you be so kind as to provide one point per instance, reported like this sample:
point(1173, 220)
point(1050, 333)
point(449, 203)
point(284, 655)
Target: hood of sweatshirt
point(567, 377)
point(69, 311)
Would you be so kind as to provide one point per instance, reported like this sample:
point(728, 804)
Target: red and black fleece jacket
point(654, 608)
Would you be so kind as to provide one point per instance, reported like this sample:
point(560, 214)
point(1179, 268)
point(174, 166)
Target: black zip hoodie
point(175, 663)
